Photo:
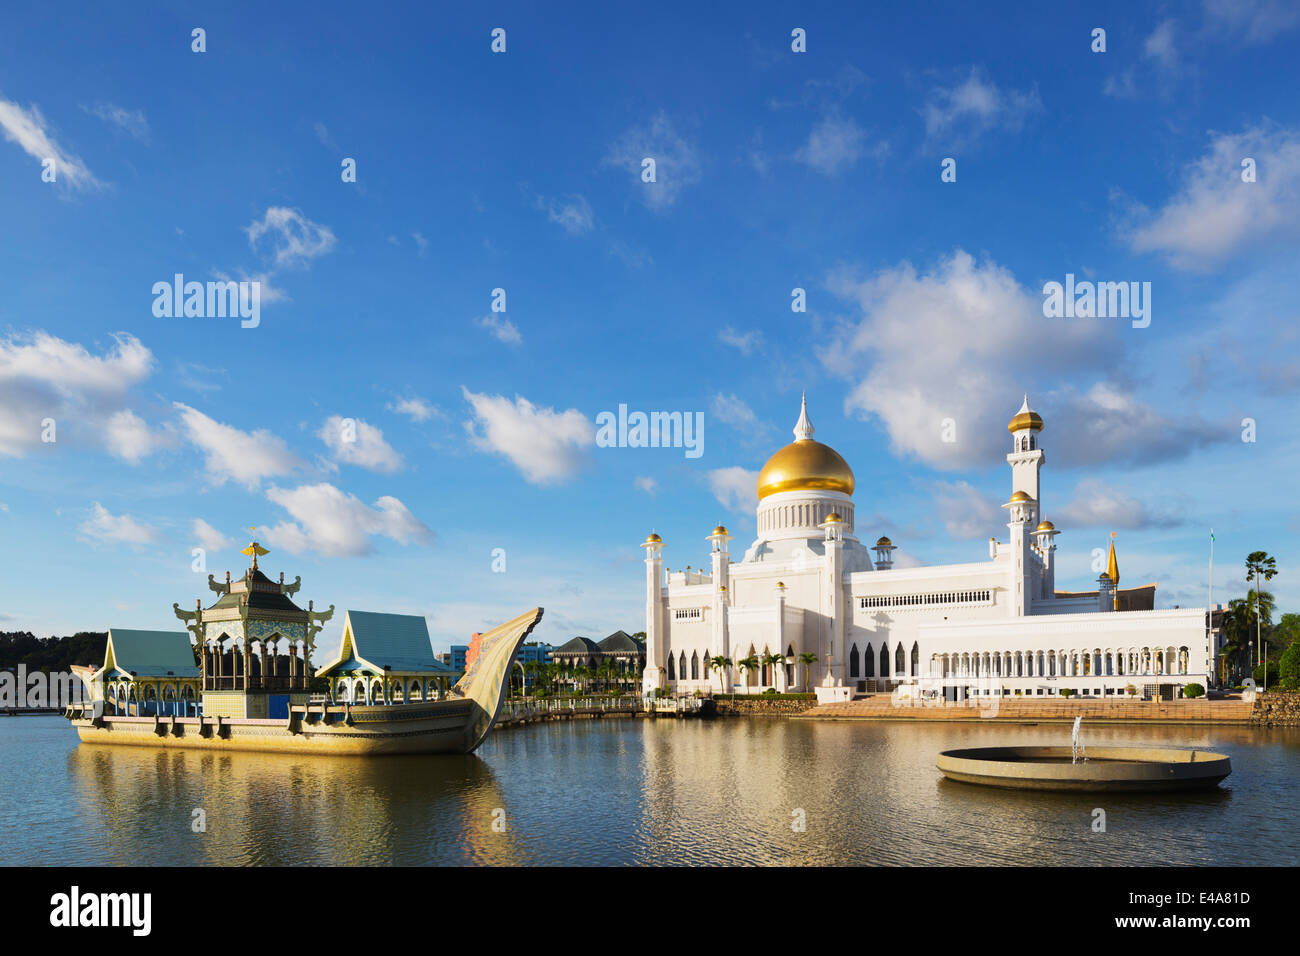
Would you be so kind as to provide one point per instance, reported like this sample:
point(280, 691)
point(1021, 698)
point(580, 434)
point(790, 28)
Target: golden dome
point(883, 542)
point(805, 465)
point(653, 538)
point(1026, 418)
point(720, 529)
point(1020, 496)
point(833, 518)
point(1046, 526)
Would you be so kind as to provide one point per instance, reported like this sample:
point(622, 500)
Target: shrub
point(1258, 674)
point(1131, 690)
point(1066, 692)
point(1193, 690)
point(1288, 671)
point(770, 692)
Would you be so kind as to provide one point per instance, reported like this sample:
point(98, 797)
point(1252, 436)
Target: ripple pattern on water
point(635, 792)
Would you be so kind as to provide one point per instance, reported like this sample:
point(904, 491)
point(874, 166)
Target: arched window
point(672, 668)
point(681, 666)
point(855, 663)
point(884, 659)
point(900, 661)
point(695, 666)
point(916, 659)
point(870, 659)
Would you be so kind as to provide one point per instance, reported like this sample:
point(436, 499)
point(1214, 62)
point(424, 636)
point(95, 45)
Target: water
point(635, 792)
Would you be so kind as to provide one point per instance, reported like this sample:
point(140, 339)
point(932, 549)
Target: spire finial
point(803, 429)
point(254, 549)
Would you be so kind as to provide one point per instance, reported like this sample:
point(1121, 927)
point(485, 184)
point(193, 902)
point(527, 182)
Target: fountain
point(1109, 769)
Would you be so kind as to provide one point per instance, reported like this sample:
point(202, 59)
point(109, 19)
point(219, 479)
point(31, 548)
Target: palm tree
point(747, 664)
point(1260, 563)
point(721, 665)
point(772, 660)
point(807, 659)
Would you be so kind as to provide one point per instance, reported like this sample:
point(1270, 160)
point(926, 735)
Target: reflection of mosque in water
point(281, 810)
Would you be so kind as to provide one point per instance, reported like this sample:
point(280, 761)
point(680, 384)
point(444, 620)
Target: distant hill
point(50, 653)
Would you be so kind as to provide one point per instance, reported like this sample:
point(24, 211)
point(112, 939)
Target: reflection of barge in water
point(384, 694)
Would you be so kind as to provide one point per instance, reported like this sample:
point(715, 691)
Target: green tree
point(722, 666)
point(747, 664)
point(1288, 671)
point(772, 661)
point(807, 659)
point(1260, 564)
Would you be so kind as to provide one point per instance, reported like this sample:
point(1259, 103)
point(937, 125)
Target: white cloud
point(501, 328)
point(42, 376)
point(421, 242)
point(356, 442)
point(974, 310)
point(28, 129)
point(835, 144)
point(1097, 505)
point(966, 512)
point(572, 213)
point(1254, 21)
point(746, 342)
point(735, 488)
point(1110, 423)
point(976, 106)
point(1160, 46)
point(1214, 214)
point(293, 239)
point(131, 122)
point(545, 445)
point(676, 164)
point(731, 410)
point(107, 528)
point(977, 311)
point(647, 484)
point(128, 437)
point(415, 408)
point(332, 523)
point(246, 457)
point(208, 537)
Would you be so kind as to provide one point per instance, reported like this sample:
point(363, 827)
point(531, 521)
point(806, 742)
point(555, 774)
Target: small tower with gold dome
point(1026, 458)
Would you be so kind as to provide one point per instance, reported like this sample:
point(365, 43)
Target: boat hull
point(435, 727)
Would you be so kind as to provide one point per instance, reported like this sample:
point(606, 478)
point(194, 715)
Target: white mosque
point(995, 627)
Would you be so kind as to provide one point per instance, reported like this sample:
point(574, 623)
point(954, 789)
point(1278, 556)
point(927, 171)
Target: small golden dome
point(720, 529)
point(1046, 526)
point(883, 542)
point(1020, 496)
point(653, 538)
point(834, 518)
point(780, 584)
point(1026, 418)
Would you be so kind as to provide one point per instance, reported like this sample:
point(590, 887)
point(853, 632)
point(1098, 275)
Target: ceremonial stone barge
point(239, 678)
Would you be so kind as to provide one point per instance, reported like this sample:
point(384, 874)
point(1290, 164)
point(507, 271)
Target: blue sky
point(521, 170)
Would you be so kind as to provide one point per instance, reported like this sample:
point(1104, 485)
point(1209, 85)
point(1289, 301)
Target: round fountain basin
point(1106, 769)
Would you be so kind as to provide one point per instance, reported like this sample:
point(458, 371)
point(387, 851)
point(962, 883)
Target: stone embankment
point(883, 707)
point(1276, 709)
point(761, 707)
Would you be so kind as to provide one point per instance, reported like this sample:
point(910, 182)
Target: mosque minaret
point(807, 585)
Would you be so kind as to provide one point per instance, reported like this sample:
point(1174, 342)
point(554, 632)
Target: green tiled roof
point(152, 653)
point(620, 642)
point(397, 641)
point(579, 645)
